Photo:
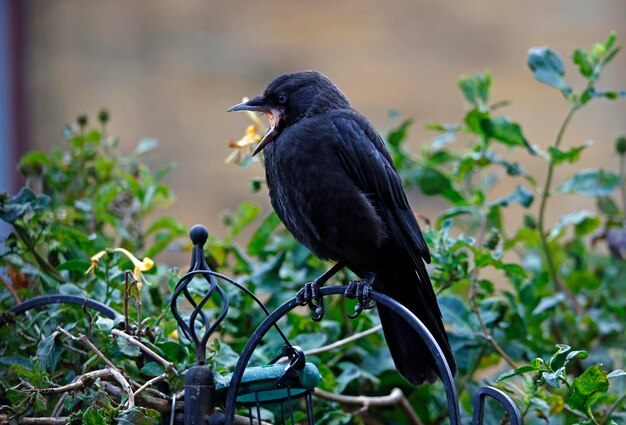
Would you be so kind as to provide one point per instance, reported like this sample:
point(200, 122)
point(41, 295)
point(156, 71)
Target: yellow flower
point(95, 259)
point(140, 266)
point(243, 147)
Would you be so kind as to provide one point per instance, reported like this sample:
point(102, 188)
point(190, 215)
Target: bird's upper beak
point(256, 104)
point(274, 115)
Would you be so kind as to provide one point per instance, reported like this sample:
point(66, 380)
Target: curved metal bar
point(62, 299)
point(502, 397)
point(414, 322)
point(241, 288)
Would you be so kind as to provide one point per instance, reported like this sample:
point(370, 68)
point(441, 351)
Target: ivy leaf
point(561, 349)
point(14, 208)
point(552, 378)
point(547, 67)
point(591, 183)
point(152, 369)
point(588, 387)
point(127, 348)
point(92, 416)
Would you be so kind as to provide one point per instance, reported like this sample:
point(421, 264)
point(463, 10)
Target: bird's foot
point(310, 296)
point(360, 289)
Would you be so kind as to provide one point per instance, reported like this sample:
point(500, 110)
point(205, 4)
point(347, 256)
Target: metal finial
point(199, 234)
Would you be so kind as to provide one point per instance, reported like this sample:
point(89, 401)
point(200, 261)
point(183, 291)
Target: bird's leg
point(360, 289)
point(310, 295)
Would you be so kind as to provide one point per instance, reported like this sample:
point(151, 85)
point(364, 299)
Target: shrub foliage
point(536, 308)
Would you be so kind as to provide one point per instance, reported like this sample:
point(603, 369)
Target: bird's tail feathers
point(409, 352)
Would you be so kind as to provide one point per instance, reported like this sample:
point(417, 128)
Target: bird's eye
point(282, 98)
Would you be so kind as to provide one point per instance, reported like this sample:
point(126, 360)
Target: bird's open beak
point(274, 116)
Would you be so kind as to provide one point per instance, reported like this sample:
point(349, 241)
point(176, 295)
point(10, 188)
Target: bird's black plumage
point(333, 184)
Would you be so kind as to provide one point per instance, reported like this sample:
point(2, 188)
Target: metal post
point(199, 395)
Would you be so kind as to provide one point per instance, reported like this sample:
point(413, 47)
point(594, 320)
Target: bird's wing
point(367, 161)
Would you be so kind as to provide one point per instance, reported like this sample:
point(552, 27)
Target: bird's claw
point(360, 289)
point(310, 296)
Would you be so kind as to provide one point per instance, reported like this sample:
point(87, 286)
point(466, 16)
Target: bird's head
point(291, 97)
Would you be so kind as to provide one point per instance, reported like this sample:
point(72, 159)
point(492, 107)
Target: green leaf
point(261, 236)
point(92, 416)
point(571, 155)
point(581, 354)
point(152, 369)
point(522, 195)
point(552, 378)
point(616, 373)
point(26, 200)
point(75, 265)
point(127, 348)
point(397, 135)
point(547, 67)
point(548, 303)
point(105, 324)
point(137, 416)
point(562, 349)
point(33, 163)
point(584, 222)
point(476, 89)
point(607, 205)
point(244, 215)
point(519, 371)
point(591, 183)
point(507, 132)
point(581, 58)
point(146, 145)
point(434, 182)
point(588, 387)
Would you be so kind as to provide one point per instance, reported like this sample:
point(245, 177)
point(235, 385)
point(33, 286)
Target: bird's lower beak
point(274, 116)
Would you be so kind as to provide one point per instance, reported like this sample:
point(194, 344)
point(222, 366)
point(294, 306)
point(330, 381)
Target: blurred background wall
point(169, 70)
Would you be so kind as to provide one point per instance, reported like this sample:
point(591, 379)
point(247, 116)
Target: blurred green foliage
point(536, 309)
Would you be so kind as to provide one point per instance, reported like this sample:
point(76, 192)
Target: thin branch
point(85, 341)
point(545, 195)
point(78, 384)
point(169, 367)
point(36, 421)
point(125, 386)
point(151, 382)
point(396, 397)
point(11, 289)
point(612, 409)
point(338, 344)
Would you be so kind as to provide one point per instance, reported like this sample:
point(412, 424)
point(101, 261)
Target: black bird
point(333, 184)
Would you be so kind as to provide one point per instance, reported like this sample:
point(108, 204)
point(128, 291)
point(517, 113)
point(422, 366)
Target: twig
point(614, 406)
point(542, 217)
point(337, 344)
point(36, 421)
point(395, 397)
point(485, 331)
point(487, 335)
point(169, 367)
point(84, 340)
point(89, 377)
point(125, 386)
point(11, 289)
point(150, 382)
